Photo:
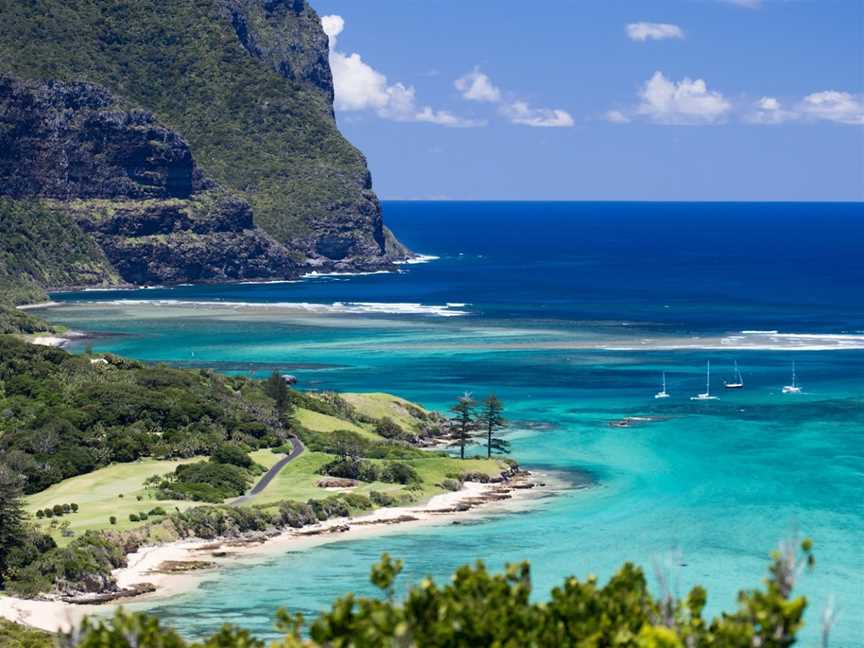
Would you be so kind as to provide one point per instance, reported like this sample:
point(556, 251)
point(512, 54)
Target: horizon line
point(666, 202)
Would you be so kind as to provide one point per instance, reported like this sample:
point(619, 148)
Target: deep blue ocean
point(570, 312)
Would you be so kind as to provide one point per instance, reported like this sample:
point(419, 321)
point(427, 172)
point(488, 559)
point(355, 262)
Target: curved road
point(297, 449)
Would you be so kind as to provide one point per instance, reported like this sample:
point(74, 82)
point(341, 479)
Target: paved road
point(297, 449)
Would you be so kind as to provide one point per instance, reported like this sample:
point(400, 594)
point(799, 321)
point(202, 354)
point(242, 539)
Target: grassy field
point(318, 422)
point(298, 479)
point(98, 496)
point(380, 405)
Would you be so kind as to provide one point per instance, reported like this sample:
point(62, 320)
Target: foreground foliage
point(13, 635)
point(479, 608)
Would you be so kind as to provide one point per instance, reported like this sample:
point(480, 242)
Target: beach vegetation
point(14, 635)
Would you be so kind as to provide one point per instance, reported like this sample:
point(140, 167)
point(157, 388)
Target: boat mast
point(708, 378)
point(794, 384)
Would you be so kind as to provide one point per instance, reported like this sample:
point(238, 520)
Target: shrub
point(285, 448)
point(49, 513)
point(133, 517)
point(231, 454)
point(382, 499)
point(88, 559)
point(74, 507)
point(157, 511)
point(389, 429)
point(451, 484)
point(358, 469)
point(67, 509)
point(113, 519)
point(40, 514)
point(57, 510)
point(400, 473)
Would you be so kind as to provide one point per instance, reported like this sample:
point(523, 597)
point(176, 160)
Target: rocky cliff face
point(130, 183)
point(349, 231)
point(60, 140)
point(237, 91)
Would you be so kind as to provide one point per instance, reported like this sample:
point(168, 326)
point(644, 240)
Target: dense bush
point(358, 469)
point(63, 417)
point(393, 472)
point(86, 561)
point(396, 472)
point(231, 454)
point(346, 443)
point(389, 429)
point(382, 499)
point(13, 635)
point(205, 481)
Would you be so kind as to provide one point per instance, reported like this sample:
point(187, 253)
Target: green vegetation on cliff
point(245, 82)
point(42, 246)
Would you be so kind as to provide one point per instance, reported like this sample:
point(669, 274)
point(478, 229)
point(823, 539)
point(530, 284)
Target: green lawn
point(297, 481)
point(381, 405)
point(324, 423)
point(98, 497)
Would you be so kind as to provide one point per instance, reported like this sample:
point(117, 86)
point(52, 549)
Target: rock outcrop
point(69, 140)
point(132, 184)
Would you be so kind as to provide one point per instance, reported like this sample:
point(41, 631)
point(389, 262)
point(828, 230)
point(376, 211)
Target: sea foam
point(380, 308)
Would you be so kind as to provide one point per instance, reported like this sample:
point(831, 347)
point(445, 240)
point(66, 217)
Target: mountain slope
point(244, 82)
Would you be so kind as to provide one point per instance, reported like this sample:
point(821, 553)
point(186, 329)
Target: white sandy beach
point(143, 565)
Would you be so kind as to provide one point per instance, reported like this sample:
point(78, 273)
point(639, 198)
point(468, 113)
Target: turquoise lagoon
point(570, 312)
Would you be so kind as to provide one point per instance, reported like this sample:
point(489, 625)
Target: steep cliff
point(244, 84)
point(103, 194)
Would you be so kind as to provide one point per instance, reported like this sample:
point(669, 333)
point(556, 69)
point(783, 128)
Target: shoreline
point(147, 565)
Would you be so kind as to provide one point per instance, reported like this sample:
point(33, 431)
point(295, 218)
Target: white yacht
point(662, 393)
point(737, 382)
point(794, 388)
point(707, 394)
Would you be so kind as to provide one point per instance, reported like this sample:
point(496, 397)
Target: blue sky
point(603, 99)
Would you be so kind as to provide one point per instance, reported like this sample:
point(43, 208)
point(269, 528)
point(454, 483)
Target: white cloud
point(768, 110)
point(358, 86)
point(476, 86)
point(687, 102)
point(643, 31)
point(519, 112)
point(617, 117)
point(831, 105)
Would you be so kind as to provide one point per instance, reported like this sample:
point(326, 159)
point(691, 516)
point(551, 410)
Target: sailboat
point(738, 382)
point(662, 393)
point(794, 388)
point(707, 395)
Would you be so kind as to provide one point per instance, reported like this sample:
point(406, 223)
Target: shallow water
point(526, 300)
